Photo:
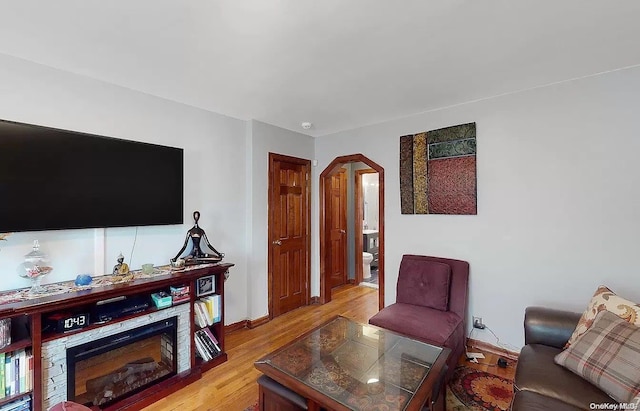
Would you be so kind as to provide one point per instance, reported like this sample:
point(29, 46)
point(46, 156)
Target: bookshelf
point(214, 297)
point(16, 362)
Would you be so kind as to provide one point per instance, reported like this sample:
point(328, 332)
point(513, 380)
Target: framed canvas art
point(438, 171)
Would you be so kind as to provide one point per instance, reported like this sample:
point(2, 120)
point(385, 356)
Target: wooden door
point(337, 225)
point(289, 244)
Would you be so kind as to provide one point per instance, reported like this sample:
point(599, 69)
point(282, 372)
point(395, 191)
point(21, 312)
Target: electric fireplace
point(106, 370)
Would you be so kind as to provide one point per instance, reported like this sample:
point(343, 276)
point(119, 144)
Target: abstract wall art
point(438, 171)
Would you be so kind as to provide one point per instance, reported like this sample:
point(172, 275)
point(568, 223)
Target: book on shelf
point(209, 305)
point(212, 349)
point(217, 308)
point(29, 372)
point(8, 375)
point(212, 337)
point(207, 312)
point(199, 313)
point(202, 352)
point(2, 379)
point(16, 372)
point(206, 345)
point(20, 404)
point(211, 343)
point(212, 302)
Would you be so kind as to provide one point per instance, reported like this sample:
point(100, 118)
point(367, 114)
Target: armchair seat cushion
point(443, 328)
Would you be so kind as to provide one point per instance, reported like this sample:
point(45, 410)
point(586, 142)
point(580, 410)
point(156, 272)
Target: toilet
point(367, 258)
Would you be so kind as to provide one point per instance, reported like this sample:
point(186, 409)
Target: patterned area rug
point(471, 390)
point(474, 390)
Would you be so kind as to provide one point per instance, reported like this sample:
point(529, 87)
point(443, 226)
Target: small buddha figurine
point(121, 268)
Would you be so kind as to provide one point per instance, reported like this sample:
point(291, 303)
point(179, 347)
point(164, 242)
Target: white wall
point(558, 177)
point(215, 166)
point(264, 139)
point(557, 200)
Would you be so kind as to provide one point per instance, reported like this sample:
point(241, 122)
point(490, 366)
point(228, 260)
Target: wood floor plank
point(232, 385)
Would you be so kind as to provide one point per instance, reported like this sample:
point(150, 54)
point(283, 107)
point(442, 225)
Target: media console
point(38, 324)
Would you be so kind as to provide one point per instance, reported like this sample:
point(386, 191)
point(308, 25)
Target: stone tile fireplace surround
point(54, 353)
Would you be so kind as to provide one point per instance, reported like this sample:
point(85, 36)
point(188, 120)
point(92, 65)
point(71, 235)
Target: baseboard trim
point(257, 322)
point(246, 324)
point(492, 349)
point(235, 326)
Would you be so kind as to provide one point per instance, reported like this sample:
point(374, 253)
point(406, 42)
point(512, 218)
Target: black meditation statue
point(196, 256)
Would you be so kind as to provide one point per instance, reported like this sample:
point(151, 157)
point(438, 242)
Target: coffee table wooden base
point(343, 365)
point(276, 397)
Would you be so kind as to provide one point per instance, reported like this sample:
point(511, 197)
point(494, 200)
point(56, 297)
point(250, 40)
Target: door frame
point(271, 234)
point(359, 199)
point(325, 285)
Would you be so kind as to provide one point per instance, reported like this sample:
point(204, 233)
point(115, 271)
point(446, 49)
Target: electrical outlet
point(477, 323)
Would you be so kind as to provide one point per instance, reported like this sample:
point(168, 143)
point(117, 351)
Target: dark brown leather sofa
point(541, 384)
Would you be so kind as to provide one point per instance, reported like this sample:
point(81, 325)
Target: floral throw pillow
point(606, 300)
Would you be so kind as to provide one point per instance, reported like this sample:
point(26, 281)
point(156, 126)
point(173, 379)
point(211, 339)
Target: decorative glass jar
point(36, 265)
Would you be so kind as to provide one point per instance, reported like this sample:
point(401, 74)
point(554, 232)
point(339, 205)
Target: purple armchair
point(431, 303)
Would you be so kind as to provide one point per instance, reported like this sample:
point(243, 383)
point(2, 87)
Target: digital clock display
point(61, 322)
point(75, 322)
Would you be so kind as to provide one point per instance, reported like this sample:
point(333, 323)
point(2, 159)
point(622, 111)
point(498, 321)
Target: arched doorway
point(325, 239)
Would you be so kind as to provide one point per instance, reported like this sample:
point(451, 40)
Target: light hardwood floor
point(232, 386)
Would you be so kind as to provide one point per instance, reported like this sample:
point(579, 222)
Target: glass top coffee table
point(345, 365)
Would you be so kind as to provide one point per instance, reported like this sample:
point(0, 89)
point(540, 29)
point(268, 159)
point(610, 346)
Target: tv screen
point(54, 179)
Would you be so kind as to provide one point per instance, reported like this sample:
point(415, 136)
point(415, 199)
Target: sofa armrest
point(549, 326)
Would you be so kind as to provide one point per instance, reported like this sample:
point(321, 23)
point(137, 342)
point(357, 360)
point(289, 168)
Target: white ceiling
point(339, 64)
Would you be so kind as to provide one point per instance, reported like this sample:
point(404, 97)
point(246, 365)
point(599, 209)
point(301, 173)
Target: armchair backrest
point(440, 283)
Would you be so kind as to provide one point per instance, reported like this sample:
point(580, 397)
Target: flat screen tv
point(54, 179)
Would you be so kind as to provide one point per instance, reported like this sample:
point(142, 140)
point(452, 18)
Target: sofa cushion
point(426, 324)
point(605, 299)
point(531, 401)
point(423, 282)
point(607, 355)
point(537, 372)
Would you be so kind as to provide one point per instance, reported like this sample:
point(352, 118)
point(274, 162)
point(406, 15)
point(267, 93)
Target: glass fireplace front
point(112, 368)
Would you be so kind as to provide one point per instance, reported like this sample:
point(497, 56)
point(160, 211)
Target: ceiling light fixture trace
point(306, 125)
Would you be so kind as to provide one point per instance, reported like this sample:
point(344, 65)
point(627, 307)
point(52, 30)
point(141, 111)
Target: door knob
point(277, 242)
point(343, 232)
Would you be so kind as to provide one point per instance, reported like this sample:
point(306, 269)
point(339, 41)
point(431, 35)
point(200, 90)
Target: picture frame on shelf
point(205, 286)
